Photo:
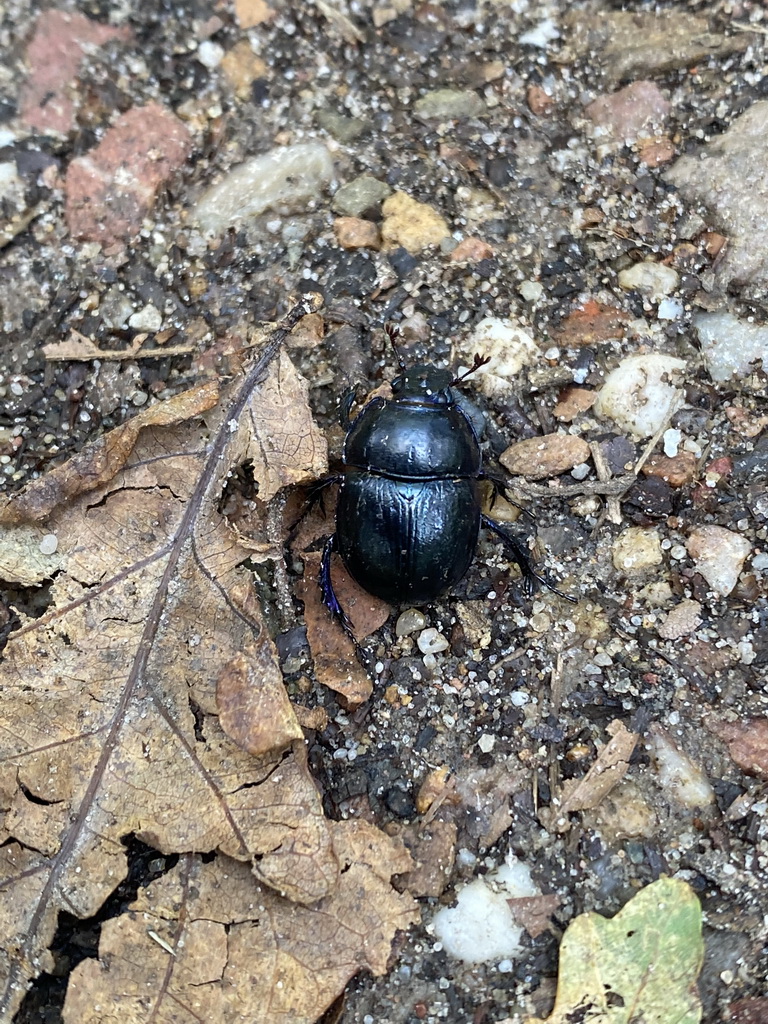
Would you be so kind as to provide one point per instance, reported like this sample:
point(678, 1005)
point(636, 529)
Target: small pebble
point(486, 743)
point(430, 641)
point(410, 621)
point(730, 345)
point(636, 549)
point(531, 291)
point(637, 395)
point(411, 224)
point(545, 456)
point(719, 556)
point(49, 544)
point(682, 620)
point(653, 280)
point(449, 104)
point(147, 319)
point(509, 348)
point(210, 54)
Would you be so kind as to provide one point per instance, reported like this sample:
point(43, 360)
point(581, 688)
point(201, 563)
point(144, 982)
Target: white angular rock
point(481, 927)
point(638, 395)
point(730, 345)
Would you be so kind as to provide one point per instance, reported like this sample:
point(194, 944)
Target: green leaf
point(640, 965)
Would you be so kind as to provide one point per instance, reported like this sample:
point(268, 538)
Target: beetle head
point(423, 383)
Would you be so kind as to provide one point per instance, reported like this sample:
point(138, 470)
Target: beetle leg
point(330, 600)
point(346, 402)
point(521, 556)
point(500, 486)
point(314, 495)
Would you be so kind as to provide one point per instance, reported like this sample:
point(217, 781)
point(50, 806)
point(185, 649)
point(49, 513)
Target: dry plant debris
point(148, 699)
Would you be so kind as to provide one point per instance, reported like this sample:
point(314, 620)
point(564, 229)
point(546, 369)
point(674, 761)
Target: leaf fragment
point(640, 965)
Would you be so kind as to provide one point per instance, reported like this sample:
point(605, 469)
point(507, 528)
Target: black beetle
point(409, 514)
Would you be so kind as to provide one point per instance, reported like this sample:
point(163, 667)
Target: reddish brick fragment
point(590, 325)
point(677, 470)
point(60, 41)
point(113, 187)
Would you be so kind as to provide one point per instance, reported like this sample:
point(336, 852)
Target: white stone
point(486, 743)
point(49, 544)
point(531, 291)
point(430, 641)
point(672, 439)
point(147, 319)
point(210, 54)
point(654, 280)
point(285, 179)
point(540, 35)
point(638, 395)
point(719, 556)
point(679, 777)
point(481, 927)
point(730, 345)
point(509, 349)
point(409, 621)
point(670, 309)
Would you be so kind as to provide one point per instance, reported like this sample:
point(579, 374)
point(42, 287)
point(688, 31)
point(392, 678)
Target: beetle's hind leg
point(523, 559)
point(330, 600)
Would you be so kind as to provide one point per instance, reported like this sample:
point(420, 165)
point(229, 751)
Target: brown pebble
point(624, 114)
point(356, 233)
point(572, 402)
point(471, 250)
point(713, 242)
point(539, 102)
point(591, 324)
point(678, 470)
point(549, 455)
point(242, 67)
point(654, 152)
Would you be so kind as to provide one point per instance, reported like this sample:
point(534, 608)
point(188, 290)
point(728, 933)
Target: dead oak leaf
point(110, 722)
point(206, 943)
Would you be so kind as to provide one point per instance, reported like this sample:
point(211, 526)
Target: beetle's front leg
point(523, 559)
point(330, 600)
point(314, 495)
point(500, 486)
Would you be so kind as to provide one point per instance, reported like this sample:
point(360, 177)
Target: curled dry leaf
point(108, 700)
point(239, 951)
point(336, 663)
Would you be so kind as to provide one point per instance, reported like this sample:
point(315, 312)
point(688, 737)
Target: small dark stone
point(402, 262)
point(400, 802)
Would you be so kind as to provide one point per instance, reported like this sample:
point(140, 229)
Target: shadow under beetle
point(408, 514)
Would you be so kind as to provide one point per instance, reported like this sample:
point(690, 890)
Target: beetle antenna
point(476, 364)
point(393, 333)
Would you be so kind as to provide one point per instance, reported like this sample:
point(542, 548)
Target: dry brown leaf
point(254, 709)
point(109, 709)
point(609, 768)
point(205, 943)
point(78, 348)
point(336, 662)
point(100, 460)
point(534, 912)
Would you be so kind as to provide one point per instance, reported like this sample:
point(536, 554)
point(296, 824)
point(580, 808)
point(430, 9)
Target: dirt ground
point(537, 190)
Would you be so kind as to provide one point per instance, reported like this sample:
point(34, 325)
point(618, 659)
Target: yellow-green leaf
point(640, 965)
